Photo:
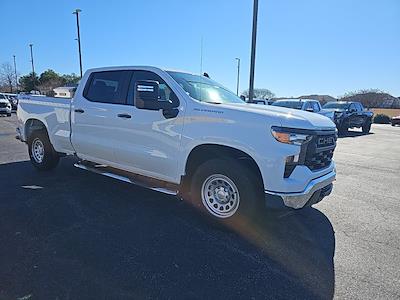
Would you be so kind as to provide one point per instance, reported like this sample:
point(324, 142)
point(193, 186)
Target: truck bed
point(54, 113)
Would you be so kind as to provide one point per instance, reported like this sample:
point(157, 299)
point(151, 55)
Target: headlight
point(290, 136)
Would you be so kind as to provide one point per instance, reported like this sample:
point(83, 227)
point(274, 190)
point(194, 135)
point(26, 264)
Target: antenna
point(201, 55)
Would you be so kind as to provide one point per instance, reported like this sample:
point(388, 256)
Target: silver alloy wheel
point(38, 150)
point(220, 196)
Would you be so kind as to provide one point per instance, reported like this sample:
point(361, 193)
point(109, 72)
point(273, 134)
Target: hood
point(288, 117)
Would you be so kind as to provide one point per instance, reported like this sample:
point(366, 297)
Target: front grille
point(317, 154)
point(2, 104)
point(319, 151)
point(319, 160)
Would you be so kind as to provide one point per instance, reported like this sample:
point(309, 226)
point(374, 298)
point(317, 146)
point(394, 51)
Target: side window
point(316, 106)
point(107, 87)
point(359, 107)
point(165, 92)
point(352, 107)
point(307, 106)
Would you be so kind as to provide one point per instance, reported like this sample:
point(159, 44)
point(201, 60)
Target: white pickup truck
point(184, 134)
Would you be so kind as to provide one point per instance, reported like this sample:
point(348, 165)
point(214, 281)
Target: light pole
point(76, 12)
point(33, 67)
point(16, 76)
point(253, 51)
point(238, 75)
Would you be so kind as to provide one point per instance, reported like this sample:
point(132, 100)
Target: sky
point(303, 47)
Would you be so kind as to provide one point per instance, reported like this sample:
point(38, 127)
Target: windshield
point(338, 105)
point(204, 89)
point(289, 104)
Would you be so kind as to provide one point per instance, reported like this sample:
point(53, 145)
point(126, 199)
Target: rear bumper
point(315, 191)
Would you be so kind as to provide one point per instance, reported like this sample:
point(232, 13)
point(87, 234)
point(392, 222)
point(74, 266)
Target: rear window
point(337, 105)
point(108, 87)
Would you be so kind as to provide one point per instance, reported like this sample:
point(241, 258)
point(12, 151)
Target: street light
point(253, 50)
point(33, 67)
point(76, 12)
point(238, 74)
point(16, 76)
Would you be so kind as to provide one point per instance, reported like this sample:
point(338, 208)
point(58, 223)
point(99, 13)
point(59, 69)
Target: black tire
point(366, 127)
point(50, 157)
point(9, 115)
point(249, 187)
point(343, 129)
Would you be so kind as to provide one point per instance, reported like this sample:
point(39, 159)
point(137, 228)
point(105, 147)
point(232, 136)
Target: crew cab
point(350, 115)
point(310, 105)
point(186, 135)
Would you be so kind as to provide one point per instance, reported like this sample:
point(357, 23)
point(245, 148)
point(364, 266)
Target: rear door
point(94, 113)
point(361, 116)
point(353, 116)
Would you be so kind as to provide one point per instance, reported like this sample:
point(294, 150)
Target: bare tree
point(260, 94)
point(7, 76)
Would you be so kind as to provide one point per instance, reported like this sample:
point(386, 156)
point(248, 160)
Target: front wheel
point(41, 152)
point(366, 127)
point(226, 191)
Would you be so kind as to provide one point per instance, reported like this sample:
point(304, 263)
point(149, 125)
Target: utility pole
point(238, 75)
point(33, 67)
point(16, 76)
point(76, 12)
point(253, 51)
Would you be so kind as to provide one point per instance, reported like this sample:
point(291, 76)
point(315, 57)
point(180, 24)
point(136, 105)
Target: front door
point(148, 140)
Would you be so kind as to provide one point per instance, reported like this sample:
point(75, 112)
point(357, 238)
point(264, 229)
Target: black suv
point(350, 115)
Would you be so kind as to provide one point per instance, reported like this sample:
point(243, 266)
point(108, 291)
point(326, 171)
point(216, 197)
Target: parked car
point(12, 98)
point(350, 115)
point(5, 106)
point(262, 101)
point(395, 120)
point(184, 134)
point(309, 105)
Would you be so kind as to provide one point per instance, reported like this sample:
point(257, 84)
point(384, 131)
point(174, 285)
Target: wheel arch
point(32, 125)
point(203, 152)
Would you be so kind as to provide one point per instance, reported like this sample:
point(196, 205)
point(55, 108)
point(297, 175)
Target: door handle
point(125, 116)
point(79, 110)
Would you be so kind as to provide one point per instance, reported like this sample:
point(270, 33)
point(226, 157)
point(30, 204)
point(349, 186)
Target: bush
point(381, 119)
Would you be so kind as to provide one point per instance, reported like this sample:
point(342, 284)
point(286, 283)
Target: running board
point(153, 184)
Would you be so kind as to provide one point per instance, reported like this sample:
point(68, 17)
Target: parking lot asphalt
point(71, 234)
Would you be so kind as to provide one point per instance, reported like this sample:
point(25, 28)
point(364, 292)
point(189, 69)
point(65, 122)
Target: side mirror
point(352, 110)
point(147, 95)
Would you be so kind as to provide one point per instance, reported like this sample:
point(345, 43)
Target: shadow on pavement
point(69, 234)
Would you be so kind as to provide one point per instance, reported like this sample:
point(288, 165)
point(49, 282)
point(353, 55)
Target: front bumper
point(315, 191)
point(5, 110)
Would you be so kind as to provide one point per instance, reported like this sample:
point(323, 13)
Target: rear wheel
point(226, 191)
point(366, 127)
point(41, 152)
point(9, 115)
